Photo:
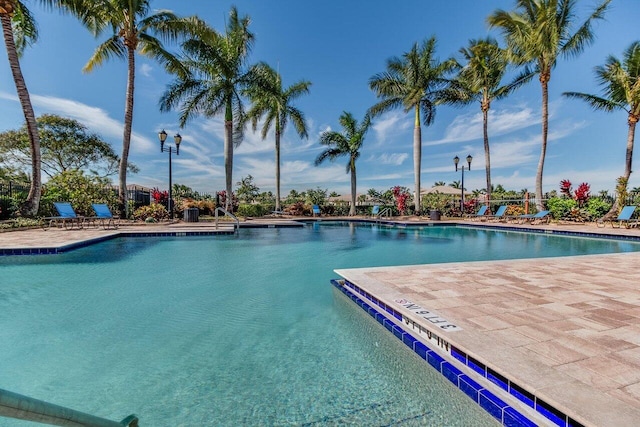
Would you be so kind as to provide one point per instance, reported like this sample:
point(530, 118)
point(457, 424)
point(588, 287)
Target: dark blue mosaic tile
point(398, 332)
point(388, 324)
point(491, 404)
point(497, 379)
point(469, 387)
point(574, 423)
point(513, 418)
point(450, 372)
point(522, 395)
point(421, 349)
point(457, 354)
point(408, 340)
point(434, 360)
point(476, 366)
point(379, 317)
point(551, 413)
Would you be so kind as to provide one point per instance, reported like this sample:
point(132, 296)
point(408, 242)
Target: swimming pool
point(237, 330)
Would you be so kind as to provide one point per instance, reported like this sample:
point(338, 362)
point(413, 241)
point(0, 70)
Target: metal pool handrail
point(229, 214)
point(385, 212)
point(14, 405)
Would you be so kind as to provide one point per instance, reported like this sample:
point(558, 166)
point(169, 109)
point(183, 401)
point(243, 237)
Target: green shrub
point(155, 211)
point(19, 223)
point(246, 210)
point(79, 189)
point(597, 208)
point(561, 207)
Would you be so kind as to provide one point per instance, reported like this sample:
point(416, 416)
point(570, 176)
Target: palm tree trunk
point(417, 159)
point(544, 81)
point(228, 157)
point(277, 170)
point(632, 120)
point(352, 209)
point(32, 204)
point(487, 156)
point(126, 138)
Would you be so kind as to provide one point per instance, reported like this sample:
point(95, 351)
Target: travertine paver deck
point(566, 329)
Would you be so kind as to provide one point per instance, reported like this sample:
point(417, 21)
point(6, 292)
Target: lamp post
point(456, 160)
point(162, 135)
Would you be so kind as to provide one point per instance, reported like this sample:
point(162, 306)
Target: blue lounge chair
point(499, 215)
point(104, 216)
point(623, 219)
point(316, 210)
point(538, 218)
point(375, 210)
point(480, 214)
point(66, 218)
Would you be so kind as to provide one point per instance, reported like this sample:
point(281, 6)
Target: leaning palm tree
point(537, 33)
point(135, 28)
point(621, 86)
point(479, 80)
point(273, 102)
point(414, 82)
point(215, 78)
point(19, 29)
point(347, 143)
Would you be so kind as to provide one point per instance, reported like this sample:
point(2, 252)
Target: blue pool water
point(236, 330)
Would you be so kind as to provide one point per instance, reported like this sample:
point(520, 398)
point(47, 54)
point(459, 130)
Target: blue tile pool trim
point(500, 410)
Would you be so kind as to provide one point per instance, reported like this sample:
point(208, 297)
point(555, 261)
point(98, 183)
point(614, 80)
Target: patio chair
point(480, 215)
point(316, 210)
point(624, 218)
point(499, 216)
point(375, 210)
point(538, 218)
point(104, 216)
point(66, 218)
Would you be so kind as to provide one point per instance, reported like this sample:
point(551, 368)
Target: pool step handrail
point(14, 405)
point(236, 227)
point(386, 212)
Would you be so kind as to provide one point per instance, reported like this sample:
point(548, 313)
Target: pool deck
point(565, 329)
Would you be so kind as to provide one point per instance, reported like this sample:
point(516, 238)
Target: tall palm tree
point(620, 81)
point(135, 27)
point(537, 33)
point(347, 143)
point(414, 82)
point(273, 102)
point(479, 80)
point(19, 29)
point(217, 75)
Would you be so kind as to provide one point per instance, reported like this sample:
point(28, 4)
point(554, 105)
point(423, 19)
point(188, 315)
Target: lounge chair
point(104, 216)
point(480, 215)
point(316, 210)
point(499, 215)
point(66, 218)
point(624, 218)
point(538, 218)
point(375, 210)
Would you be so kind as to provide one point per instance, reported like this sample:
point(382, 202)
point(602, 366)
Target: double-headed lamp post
point(456, 160)
point(162, 135)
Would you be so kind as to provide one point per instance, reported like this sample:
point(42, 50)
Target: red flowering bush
point(401, 195)
point(160, 197)
point(581, 195)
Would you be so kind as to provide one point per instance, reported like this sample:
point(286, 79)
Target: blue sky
point(338, 45)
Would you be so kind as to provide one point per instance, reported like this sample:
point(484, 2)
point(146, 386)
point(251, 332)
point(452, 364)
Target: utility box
point(434, 215)
point(191, 215)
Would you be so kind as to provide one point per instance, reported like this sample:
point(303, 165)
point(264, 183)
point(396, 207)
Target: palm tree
point(621, 86)
point(274, 102)
point(215, 77)
point(135, 28)
point(537, 33)
point(347, 143)
point(479, 80)
point(19, 29)
point(414, 82)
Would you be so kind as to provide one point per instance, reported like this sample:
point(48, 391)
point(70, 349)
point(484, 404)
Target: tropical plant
point(620, 80)
point(316, 196)
point(214, 77)
point(479, 80)
point(247, 190)
point(65, 144)
point(414, 82)
point(273, 102)
point(537, 33)
point(151, 213)
point(401, 196)
point(136, 27)
point(347, 143)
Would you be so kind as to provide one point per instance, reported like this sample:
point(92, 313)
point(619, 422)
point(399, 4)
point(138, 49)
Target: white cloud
point(389, 124)
point(145, 70)
point(395, 159)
